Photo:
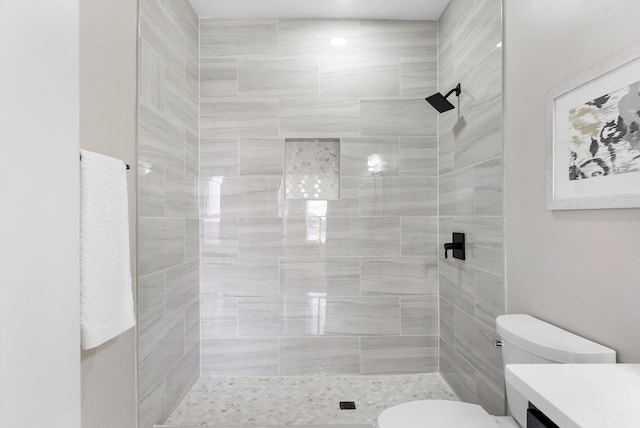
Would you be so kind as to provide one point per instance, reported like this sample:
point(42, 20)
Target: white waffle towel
point(106, 299)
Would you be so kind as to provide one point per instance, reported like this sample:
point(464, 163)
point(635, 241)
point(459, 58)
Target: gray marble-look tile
point(419, 236)
point(150, 189)
point(160, 31)
point(246, 117)
point(419, 315)
point(160, 245)
point(401, 117)
point(282, 237)
point(458, 373)
point(474, 342)
point(239, 357)
point(312, 37)
point(181, 377)
point(160, 140)
point(319, 356)
point(260, 317)
point(218, 317)
point(182, 286)
point(369, 156)
point(397, 355)
point(238, 37)
point(305, 316)
point(191, 239)
point(319, 117)
point(282, 77)
point(394, 38)
point(191, 153)
point(351, 236)
point(151, 406)
point(218, 77)
point(218, 157)
point(178, 104)
point(398, 196)
point(419, 156)
point(181, 194)
point(490, 299)
point(239, 197)
point(488, 253)
point(445, 150)
point(488, 184)
point(418, 77)
point(363, 316)
point(330, 276)
point(399, 275)
point(490, 398)
point(263, 157)
point(151, 76)
point(359, 77)
point(218, 238)
point(347, 206)
point(151, 302)
point(457, 284)
point(448, 194)
point(481, 139)
point(192, 325)
point(233, 277)
point(446, 317)
point(159, 350)
point(185, 18)
point(480, 34)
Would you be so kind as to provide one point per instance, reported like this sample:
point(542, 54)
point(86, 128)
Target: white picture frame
point(585, 103)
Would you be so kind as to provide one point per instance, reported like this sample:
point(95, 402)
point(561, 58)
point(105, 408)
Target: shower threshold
point(279, 401)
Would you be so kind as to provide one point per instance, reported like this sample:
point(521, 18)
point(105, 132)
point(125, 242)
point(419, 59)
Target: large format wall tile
point(239, 357)
point(159, 139)
point(361, 316)
point(407, 39)
point(247, 117)
point(403, 117)
point(290, 77)
point(218, 77)
point(359, 77)
point(399, 355)
point(398, 196)
point(311, 37)
point(319, 117)
point(151, 301)
point(150, 189)
point(238, 37)
point(319, 356)
point(240, 277)
point(161, 244)
point(331, 276)
point(182, 286)
point(180, 194)
point(317, 275)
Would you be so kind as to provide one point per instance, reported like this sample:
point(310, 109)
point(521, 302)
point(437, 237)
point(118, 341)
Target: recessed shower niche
point(312, 168)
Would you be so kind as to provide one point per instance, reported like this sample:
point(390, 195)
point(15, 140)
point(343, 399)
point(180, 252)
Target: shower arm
point(457, 90)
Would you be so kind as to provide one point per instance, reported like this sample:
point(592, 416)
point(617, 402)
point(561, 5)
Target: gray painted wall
point(288, 287)
point(168, 253)
point(108, 126)
point(470, 196)
point(576, 269)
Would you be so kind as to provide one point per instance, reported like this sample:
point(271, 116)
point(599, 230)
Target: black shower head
point(440, 102)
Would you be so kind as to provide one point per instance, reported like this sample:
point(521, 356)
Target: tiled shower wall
point(344, 286)
point(471, 184)
point(168, 226)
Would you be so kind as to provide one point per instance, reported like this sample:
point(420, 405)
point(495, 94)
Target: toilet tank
point(528, 340)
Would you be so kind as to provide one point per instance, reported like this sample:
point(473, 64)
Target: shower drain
point(347, 405)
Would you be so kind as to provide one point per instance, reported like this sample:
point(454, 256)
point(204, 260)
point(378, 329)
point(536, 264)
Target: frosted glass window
point(312, 168)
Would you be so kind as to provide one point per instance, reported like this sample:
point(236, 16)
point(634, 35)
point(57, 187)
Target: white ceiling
point(344, 9)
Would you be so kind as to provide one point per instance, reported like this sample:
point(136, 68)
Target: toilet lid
point(436, 414)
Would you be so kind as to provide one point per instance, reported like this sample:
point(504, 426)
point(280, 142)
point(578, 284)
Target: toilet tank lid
point(550, 342)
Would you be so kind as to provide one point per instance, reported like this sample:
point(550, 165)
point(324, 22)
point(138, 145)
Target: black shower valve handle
point(457, 246)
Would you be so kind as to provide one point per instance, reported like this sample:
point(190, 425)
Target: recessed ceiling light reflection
point(338, 41)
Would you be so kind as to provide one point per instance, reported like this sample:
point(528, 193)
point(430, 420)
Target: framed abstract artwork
point(594, 159)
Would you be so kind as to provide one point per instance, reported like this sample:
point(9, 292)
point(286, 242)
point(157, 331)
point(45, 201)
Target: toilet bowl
point(525, 340)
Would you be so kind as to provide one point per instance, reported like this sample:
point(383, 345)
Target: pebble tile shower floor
point(301, 400)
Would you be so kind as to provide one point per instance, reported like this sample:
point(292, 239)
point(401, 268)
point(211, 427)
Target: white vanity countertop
point(581, 395)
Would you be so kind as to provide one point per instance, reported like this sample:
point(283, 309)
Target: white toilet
point(525, 340)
